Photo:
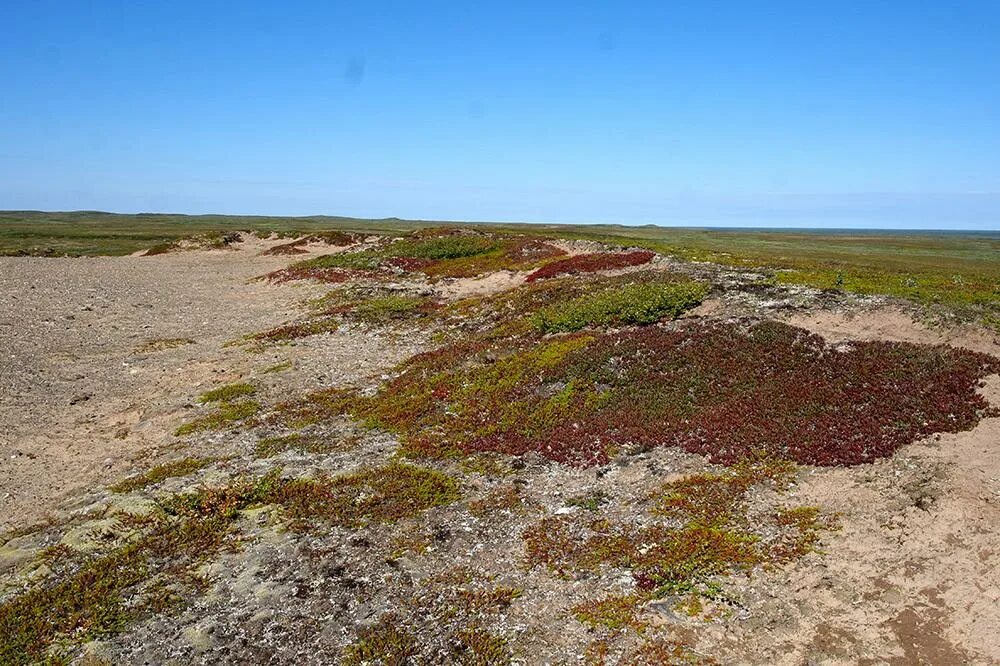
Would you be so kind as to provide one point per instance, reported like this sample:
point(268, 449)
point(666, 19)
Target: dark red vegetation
point(590, 263)
point(448, 253)
point(725, 391)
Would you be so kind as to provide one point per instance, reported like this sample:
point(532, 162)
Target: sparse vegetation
point(162, 344)
point(159, 473)
point(333, 237)
point(296, 330)
point(955, 270)
point(278, 367)
point(414, 562)
point(384, 494)
point(315, 444)
point(451, 615)
point(614, 613)
point(311, 408)
point(374, 305)
point(104, 594)
point(703, 531)
point(226, 414)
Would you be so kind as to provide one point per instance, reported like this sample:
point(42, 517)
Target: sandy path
point(78, 401)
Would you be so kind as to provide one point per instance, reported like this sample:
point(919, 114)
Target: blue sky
point(701, 113)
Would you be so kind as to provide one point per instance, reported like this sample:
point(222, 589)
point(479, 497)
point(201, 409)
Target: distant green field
point(961, 271)
point(91, 233)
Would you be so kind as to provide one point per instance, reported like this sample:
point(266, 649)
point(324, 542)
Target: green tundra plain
point(960, 271)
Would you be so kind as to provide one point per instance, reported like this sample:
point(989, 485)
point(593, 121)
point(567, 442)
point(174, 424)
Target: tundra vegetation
point(585, 364)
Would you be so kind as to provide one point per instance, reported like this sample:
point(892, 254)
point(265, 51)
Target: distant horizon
point(709, 227)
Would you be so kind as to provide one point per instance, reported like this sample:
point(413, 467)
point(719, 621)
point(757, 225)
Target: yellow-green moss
point(228, 393)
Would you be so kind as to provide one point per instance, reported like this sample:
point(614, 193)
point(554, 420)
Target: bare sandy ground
point(83, 394)
point(913, 574)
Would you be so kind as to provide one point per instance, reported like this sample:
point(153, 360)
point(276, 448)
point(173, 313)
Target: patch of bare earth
point(102, 358)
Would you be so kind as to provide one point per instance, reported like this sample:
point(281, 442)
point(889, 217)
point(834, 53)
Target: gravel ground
point(80, 397)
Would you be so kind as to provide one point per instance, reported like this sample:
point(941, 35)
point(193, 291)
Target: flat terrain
point(608, 456)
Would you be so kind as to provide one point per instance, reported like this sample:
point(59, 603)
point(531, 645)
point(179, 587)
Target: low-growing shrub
point(639, 303)
point(338, 238)
point(720, 390)
point(103, 594)
point(591, 263)
point(319, 274)
point(272, 446)
point(374, 306)
point(455, 253)
point(377, 494)
point(311, 408)
point(569, 301)
point(222, 416)
point(702, 529)
point(285, 249)
point(228, 392)
point(296, 330)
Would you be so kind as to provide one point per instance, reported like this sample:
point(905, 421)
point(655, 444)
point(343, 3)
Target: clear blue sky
point(700, 113)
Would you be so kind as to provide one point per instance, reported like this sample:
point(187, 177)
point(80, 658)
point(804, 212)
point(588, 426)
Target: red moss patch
point(591, 263)
point(723, 391)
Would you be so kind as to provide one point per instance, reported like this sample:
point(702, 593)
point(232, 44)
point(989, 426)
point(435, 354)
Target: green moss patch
point(228, 393)
point(223, 416)
point(640, 303)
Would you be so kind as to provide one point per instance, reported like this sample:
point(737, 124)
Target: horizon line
point(637, 225)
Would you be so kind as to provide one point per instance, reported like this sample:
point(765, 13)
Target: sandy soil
point(84, 392)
